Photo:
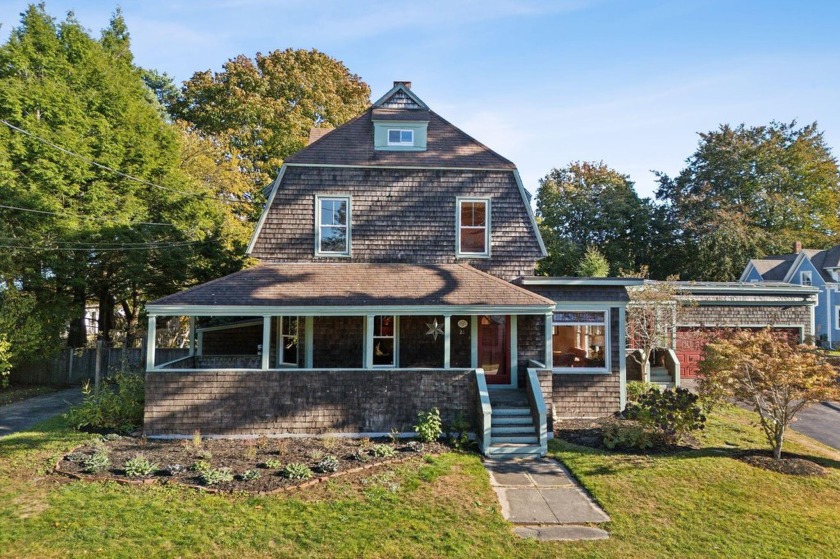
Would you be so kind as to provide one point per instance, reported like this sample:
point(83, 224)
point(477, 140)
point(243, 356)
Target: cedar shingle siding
point(400, 216)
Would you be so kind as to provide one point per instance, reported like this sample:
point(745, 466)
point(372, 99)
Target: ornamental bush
point(627, 435)
point(328, 464)
point(296, 470)
point(429, 426)
point(672, 413)
point(117, 405)
point(139, 466)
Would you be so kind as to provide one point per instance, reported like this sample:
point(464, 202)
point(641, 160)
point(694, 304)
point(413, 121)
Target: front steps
point(512, 428)
point(661, 377)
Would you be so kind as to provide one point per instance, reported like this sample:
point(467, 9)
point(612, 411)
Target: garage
point(713, 310)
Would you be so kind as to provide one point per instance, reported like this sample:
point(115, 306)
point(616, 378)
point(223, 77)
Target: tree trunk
point(780, 439)
point(77, 333)
point(106, 315)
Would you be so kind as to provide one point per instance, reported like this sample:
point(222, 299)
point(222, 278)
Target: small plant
point(273, 464)
point(328, 464)
point(672, 413)
point(383, 451)
point(429, 426)
point(315, 455)
point(201, 466)
point(262, 442)
point(196, 439)
point(250, 450)
point(459, 432)
point(109, 437)
point(635, 390)
point(215, 476)
point(361, 455)
point(139, 466)
point(394, 435)
point(627, 435)
point(416, 446)
point(249, 475)
point(174, 469)
point(329, 442)
point(96, 462)
point(296, 470)
point(282, 445)
point(204, 454)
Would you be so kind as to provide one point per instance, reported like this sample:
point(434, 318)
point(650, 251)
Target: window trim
point(395, 361)
point(459, 200)
point(606, 311)
point(281, 341)
point(318, 199)
point(803, 274)
point(400, 143)
point(836, 317)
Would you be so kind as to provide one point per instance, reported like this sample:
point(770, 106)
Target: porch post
point(266, 342)
point(151, 342)
point(514, 356)
point(447, 341)
point(199, 349)
point(368, 355)
point(622, 357)
point(549, 344)
point(474, 342)
point(307, 342)
point(192, 336)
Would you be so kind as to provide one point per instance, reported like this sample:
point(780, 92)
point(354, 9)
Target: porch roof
point(340, 288)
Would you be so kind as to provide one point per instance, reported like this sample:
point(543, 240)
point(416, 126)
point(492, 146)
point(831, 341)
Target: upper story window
point(805, 278)
point(580, 340)
point(400, 137)
point(473, 227)
point(332, 225)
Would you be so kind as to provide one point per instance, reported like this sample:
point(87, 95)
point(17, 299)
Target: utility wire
point(80, 216)
point(120, 173)
point(107, 249)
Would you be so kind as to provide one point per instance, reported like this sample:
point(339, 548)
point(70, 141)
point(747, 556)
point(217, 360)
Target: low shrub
point(636, 388)
point(627, 435)
point(429, 426)
point(361, 455)
point(96, 462)
point(383, 451)
point(201, 466)
point(273, 464)
point(296, 470)
point(139, 466)
point(328, 464)
point(215, 476)
point(249, 475)
point(672, 413)
point(117, 405)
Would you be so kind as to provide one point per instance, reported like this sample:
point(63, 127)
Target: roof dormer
point(400, 120)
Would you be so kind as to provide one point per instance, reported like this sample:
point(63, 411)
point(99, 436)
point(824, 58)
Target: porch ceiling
point(340, 287)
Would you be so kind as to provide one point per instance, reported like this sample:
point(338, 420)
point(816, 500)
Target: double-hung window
point(400, 137)
point(384, 341)
point(288, 340)
point(473, 227)
point(580, 340)
point(332, 225)
point(805, 278)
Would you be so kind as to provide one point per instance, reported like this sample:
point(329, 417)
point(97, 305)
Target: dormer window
point(400, 137)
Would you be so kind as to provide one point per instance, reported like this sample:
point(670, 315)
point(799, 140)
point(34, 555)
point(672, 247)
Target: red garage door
point(691, 341)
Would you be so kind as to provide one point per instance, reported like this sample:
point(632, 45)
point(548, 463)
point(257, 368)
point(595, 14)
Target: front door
point(494, 348)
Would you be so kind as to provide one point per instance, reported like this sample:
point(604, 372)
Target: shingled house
point(396, 269)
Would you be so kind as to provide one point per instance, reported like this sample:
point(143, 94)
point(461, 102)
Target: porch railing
point(484, 413)
point(538, 410)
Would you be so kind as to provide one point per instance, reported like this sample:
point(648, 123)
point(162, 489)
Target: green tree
point(593, 264)
point(590, 204)
point(105, 237)
point(751, 191)
point(263, 108)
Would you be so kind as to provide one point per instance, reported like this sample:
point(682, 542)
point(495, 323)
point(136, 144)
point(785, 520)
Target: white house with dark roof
point(396, 256)
point(806, 267)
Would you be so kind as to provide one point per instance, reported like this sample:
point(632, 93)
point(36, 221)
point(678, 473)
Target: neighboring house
point(811, 268)
point(396, 259)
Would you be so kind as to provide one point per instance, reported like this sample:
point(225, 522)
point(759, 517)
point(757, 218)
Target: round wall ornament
point(462, 323)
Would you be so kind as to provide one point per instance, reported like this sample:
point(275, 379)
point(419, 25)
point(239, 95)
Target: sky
point(543, 82)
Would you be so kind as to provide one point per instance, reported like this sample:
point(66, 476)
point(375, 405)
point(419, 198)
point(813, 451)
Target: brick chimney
point(405, 84)
point(797, 247)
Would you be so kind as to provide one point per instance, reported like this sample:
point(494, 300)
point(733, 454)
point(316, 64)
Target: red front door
point(494, 348)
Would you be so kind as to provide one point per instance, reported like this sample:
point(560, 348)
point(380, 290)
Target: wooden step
point(513, 430)
point(514, 450)
point(512, 420)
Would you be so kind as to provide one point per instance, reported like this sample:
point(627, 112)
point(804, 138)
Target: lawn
point(699, 503)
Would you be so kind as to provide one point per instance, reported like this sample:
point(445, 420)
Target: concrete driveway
point(22, 415)
point(821, 422)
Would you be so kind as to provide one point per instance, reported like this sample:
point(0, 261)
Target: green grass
point(17, 393)
point(694, 504)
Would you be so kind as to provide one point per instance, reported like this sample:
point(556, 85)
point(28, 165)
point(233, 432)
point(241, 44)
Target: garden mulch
point(175, 460)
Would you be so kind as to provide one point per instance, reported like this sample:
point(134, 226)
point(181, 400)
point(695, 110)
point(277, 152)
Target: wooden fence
point(69, 367)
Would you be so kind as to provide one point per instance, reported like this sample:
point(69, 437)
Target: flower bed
point(225, 465)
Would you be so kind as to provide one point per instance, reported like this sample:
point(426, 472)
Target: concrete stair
point(661, 377)
point(512, 428)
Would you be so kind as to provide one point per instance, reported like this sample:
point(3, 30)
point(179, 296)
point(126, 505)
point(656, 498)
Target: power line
point(105, 249)
point(80, 216)
point(120, 173)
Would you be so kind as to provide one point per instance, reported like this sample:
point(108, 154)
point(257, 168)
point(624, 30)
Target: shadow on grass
point(45, 435)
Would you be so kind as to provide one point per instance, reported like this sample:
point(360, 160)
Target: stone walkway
point(542, 499)
point(22, 415)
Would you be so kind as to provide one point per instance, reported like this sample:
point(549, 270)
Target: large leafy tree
point(591, 205)
point(751, 191)
point(104, 237)
point(263, 108)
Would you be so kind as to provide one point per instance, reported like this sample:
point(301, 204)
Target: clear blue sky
point(629, 82)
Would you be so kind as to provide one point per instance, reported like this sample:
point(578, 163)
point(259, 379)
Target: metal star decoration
point(435, 329)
